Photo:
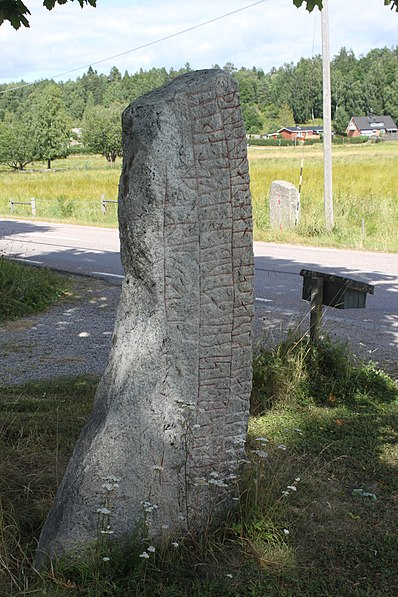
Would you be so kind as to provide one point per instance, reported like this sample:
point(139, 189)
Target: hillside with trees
point(36, 120)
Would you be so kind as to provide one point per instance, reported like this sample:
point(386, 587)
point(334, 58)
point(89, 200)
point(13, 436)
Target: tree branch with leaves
point(15, 11)
point(311, 4)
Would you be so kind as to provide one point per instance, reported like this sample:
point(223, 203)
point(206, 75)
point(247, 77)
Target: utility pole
point(327, 119)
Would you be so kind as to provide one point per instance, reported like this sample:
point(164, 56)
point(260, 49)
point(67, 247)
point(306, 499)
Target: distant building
point(371, 126)
point(301, 133)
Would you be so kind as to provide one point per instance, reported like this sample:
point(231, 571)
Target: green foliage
point(252, 119)
point(15, 11)
point(17, 144)
point(50, 123)
point(298, 372)
point(311, 4)
point(284, 96)
point(25, 290)
point(281, 142)
point(102, 131)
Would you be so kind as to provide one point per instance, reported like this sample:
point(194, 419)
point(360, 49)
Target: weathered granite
point(284, 204)
point(171, 411)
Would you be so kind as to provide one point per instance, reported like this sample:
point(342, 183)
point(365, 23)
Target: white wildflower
point(286, 531)
point(148, 507)
point(261, 439)
point(175, 543)
point(292, 487)
point(106, 559)
point(282, 447)
point(229, 575)
point(197, 426)
point(297, 479)
point(111, 479)
point(218, 482)
point(110, 486)
point(144, 555)
point(260, 453)
point(151, 549)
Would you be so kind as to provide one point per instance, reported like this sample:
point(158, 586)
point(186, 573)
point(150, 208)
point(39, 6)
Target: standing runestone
point(167, 432)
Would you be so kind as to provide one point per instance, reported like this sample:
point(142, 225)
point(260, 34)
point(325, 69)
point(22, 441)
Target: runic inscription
point(170, 415)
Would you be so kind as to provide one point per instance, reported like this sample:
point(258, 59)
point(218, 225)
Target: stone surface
point(284, 204)
point(167, 432)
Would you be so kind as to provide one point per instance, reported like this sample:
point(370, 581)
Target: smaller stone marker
point(284, 204)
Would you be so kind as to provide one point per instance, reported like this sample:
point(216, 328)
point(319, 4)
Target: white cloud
point(266, 35)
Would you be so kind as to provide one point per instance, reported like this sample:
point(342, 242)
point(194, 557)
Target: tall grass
point(25, 290)
point(69, 192)
point(317, 512)
point(365, 193)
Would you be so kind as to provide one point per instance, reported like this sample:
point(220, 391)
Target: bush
point(25, 290)
point(79, 150)
point(326, 374)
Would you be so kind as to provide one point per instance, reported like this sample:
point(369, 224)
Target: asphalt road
point(95, 252)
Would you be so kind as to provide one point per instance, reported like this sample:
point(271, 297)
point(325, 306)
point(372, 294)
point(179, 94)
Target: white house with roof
point(371, 126)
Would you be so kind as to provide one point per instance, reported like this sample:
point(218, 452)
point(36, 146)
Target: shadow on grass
point(316, 539)
point(337, 431)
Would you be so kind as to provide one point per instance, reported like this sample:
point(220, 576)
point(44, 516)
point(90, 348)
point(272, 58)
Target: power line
point(151, 43)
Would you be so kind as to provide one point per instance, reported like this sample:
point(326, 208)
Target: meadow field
point(365, 193)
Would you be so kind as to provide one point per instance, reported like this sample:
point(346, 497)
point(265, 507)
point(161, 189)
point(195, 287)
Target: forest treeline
point(288, 95)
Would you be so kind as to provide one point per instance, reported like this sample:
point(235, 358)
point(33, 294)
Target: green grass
point(25, 290)
point(365, 187)
point(323, 426)
point(69, 192)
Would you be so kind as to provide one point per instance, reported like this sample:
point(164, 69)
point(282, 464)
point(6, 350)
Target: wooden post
point(103, 205)
point(316, 308)
point(327, 120)
point(11, 205)
point(33, 204)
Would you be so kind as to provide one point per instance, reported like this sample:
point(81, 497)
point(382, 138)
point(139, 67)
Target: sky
point(266, 35)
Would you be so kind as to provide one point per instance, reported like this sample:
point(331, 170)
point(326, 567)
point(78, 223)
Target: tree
point(102, 131)
point(17, 144)
point(50, 123)
point(252, 119)
point(341, 120)
point(276, 118)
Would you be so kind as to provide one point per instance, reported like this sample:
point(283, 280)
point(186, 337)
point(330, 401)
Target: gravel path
point(70, 338)
point(74, 336)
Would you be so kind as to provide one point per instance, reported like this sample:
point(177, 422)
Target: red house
point(302, 133)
